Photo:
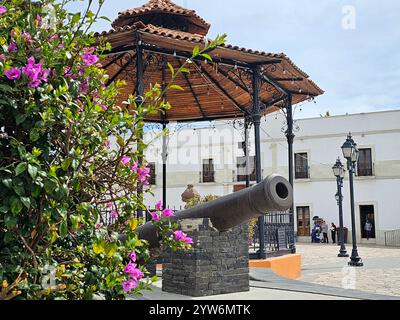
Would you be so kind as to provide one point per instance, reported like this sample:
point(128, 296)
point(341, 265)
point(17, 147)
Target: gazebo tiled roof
point(164, 10)
point(222, 89)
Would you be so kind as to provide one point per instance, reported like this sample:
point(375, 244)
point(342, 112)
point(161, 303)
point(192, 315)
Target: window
point(301, 166)
point(152, 179)
point(364, 165)
point(241, 168)
point(208, 170)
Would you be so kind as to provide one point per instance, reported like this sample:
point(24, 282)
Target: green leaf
point(171, 68)
point(120, 141)
point(196, 51)
point(32, 171)
point(185, 70)
point(16, 205)
point(20, 168)
point(98, 247)
point(66, 164)
point(7, 183)
point(10, 221)
point(207, 56)
point(35, 191)
point(26, 201)
point(63, 229)
point(177, 87)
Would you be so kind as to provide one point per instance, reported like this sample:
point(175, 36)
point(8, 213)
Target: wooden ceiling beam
point(193, 93)
point(223, 90)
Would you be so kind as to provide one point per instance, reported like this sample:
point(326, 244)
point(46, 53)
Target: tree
point(65, 194)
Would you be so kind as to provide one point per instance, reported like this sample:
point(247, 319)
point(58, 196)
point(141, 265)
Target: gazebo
point(238, 83)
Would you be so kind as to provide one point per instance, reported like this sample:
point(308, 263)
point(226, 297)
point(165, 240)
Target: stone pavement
point(380, 273)
point(257, 292)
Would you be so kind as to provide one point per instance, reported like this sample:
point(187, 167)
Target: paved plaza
point(324, 277)
point(380, 273)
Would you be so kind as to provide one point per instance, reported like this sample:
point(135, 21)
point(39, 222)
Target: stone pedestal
point(217, 264)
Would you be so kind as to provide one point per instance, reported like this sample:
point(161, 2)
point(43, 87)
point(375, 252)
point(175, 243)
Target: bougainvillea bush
point(66, 191)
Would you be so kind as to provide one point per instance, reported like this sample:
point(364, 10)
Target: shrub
point(65, 194)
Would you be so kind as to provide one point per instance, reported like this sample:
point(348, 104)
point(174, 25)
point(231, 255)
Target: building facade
point(212, 159)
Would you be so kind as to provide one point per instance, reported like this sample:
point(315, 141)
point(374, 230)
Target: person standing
point(368, 229)
point(325, 231)
point(333, 232)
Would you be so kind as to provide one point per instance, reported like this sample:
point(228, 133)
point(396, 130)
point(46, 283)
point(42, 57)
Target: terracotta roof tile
point(158, 5)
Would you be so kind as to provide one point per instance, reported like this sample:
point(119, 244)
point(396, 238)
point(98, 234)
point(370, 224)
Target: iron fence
point(279, 234)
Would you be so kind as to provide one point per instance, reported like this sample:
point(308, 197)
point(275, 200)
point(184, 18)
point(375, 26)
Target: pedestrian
point(325, 231)
point(315, 233)
point(333, 232)
point(368, 229)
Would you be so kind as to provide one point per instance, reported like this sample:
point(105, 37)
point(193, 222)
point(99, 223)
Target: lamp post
point(339, 171)
point(351, 153)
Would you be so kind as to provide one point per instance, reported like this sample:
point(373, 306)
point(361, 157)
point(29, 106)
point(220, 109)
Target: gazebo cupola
point(164, 14)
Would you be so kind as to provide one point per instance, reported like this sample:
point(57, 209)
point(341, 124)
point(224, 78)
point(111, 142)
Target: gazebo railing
point(278, 235)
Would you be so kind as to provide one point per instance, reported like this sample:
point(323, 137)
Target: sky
point(350, 48)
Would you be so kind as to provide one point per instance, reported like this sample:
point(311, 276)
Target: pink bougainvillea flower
point(125, 160)
point(32, 70)
point(38, 21)
point(188, 240)
point(98, 225)
point(104, 107)
point(133, 256)
point(159, 205)
point(2, 56)
point(84, 87)
point(89, 59)
point(143, 173)
point(13, 73)
point(168, 213)
point(114, 214)
point(12, 47)
point(27, 37)
point(3, 9)
point(155, 216)
point(179, 235)
point(54, 37)
point(107, 144)
point(136, 274)
point(35, 83)
point(89, 49)
point(129, 285)
point(130, 267)
point(134, 167)
point(110, 205)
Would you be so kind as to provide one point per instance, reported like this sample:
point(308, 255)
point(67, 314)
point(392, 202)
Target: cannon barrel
point(274, 193)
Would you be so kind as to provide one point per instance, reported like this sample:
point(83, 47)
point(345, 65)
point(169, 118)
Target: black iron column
point(290, 139)
point(139, 102)
point(247, 149)
point(342, 252)
point(164, 166)
point(164, 140)
point(257, 123)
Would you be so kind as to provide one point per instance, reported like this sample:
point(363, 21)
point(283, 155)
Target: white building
point(208, 158)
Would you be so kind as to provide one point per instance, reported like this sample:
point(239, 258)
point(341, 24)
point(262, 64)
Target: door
point(303, 221)
point(367, 213)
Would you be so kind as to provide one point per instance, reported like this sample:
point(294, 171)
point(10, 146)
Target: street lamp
point(351, 153)
point(339, 171)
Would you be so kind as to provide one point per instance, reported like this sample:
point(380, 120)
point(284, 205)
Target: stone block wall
point(217, 264)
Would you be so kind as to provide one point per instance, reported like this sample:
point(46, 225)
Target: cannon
point(274, 193)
